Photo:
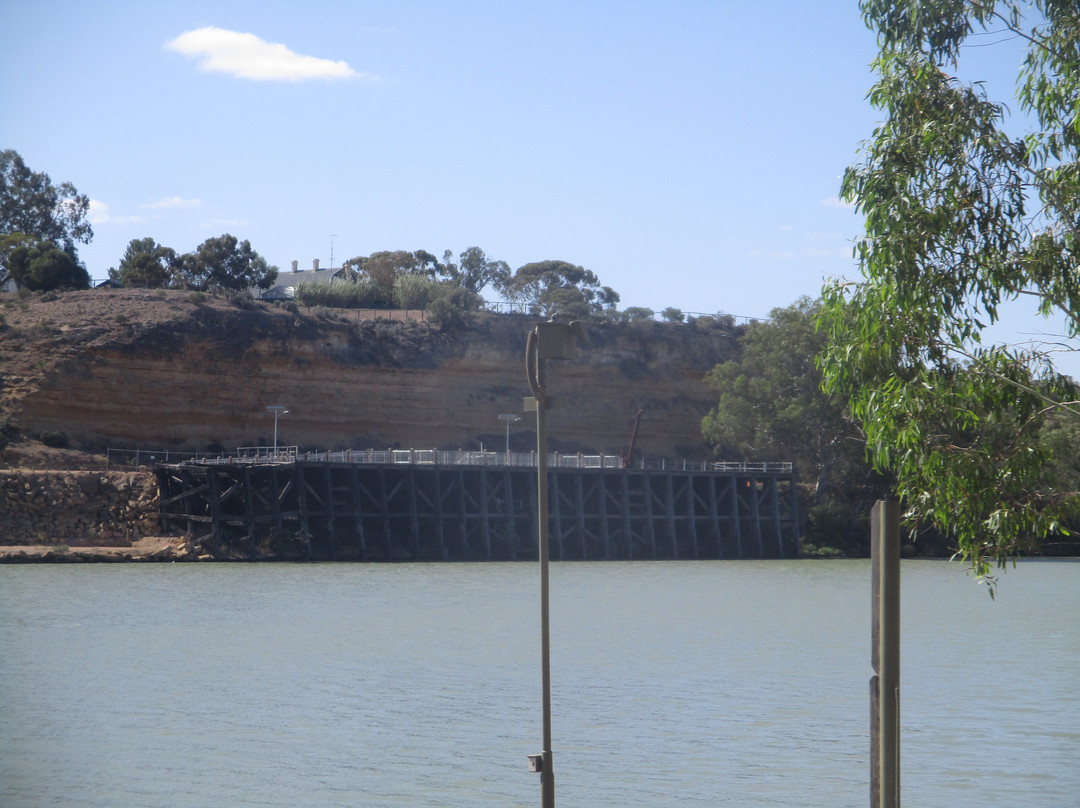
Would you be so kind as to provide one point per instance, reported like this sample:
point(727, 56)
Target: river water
point(730, 683)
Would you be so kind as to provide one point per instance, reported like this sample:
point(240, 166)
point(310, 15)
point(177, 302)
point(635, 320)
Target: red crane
point(628, 455)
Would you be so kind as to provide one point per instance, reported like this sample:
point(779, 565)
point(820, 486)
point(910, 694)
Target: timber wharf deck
point(407, 505)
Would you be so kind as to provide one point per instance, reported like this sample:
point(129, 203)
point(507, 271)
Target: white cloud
point(800, 254)
point(835, 202)
point(173, 203)
point(774, 255)
point(245, 56)
point(99, 213)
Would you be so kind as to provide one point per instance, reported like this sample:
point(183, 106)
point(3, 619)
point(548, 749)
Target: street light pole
point(546, 341)
point(510, 418)
point(278, 411)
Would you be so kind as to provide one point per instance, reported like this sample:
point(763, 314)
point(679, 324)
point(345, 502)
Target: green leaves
point(558, 287)
point(226, 263)
point(946, 196)
point(32, 206)
point(771, 405)
point(44, 267)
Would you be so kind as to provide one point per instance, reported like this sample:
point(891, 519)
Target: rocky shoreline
point(149, 549)
point(70, 516)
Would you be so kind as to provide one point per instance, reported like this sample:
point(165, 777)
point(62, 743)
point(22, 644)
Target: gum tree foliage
point(554, 287)
point(385, 268)
point(960, 217)
point(474, 271)
point(147, 264)
point(771, 404)
point(32, 207)
point(225, 263)
point(44, 267)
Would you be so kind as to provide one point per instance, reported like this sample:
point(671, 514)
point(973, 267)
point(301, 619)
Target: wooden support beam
point(779, 533)
point(736, 514)
point(650, 524)
point(669, 508)
point(602, 515)
point(712, 482)
point(508, 513)
point(629, 537)
point(579, 508)
point(485, 515)
point(691, 501)
point(331, 533)
point(440, 533)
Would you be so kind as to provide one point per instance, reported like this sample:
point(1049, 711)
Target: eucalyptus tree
point(225, 262)
point(554, 287)
point(147, 264)
point(961, 217)
point(32, 207)
point(771, 405)
point(474, 271)
point(43, 267)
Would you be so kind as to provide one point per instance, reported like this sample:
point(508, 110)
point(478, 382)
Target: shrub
point(412, 291)
point(54, 439)
point(452, 306)
point(637, 314)
point(362, 293)
point(240, 298)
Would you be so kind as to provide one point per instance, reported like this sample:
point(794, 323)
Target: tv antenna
point(332, 237)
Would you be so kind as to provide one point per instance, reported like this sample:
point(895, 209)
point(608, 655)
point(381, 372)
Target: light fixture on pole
point(546, 341)
point(510, 418)
point(278, 411)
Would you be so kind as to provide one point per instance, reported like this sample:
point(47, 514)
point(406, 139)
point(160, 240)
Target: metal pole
point(278, 410)
point(547, 774)
point(547, 341)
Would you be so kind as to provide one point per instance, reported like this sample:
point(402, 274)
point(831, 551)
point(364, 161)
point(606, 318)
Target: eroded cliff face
point(166, 370)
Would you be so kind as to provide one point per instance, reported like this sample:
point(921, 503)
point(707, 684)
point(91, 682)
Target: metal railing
point(436, 457)
point(266, 454)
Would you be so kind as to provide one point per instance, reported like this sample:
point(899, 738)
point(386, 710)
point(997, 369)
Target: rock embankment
point(76, 508)
point(162, 370)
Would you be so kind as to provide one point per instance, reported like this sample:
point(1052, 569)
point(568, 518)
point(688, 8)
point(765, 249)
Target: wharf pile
point(422, 505)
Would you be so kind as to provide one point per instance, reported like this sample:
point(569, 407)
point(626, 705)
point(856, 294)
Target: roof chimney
point(315, 264)
point(295, 266)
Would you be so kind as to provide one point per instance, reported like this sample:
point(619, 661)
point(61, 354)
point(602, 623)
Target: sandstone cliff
point(173, 370)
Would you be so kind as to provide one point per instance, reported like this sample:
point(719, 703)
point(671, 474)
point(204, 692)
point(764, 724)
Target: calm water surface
point(690, 684)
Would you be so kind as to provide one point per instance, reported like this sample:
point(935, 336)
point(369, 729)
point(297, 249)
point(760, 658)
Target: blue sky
point(689, 153)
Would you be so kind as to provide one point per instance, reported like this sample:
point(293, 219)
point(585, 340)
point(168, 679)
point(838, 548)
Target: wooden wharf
point(413, 512)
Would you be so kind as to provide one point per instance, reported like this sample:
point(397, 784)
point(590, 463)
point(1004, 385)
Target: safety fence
point(259, 455)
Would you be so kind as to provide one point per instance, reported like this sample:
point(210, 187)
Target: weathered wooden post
point(885, 655)
point(546, 341)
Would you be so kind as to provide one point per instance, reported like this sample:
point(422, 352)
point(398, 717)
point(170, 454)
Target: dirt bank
point(152, 548)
